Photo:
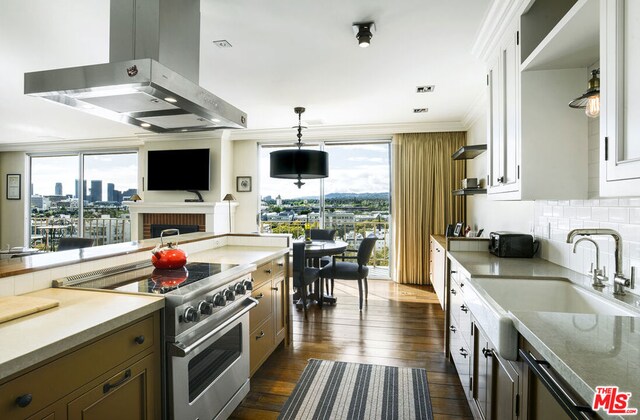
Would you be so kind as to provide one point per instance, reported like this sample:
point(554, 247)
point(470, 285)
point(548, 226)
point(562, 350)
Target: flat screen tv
point(178, 170)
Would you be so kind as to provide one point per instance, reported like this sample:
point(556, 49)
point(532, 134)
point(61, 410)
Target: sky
point(354, 168)
point(119, 169)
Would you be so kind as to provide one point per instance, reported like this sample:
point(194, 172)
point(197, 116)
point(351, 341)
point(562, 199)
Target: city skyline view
point(118, 169)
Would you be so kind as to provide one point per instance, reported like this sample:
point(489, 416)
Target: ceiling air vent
point(222, 43)
point(420, 110)
point(425, 89)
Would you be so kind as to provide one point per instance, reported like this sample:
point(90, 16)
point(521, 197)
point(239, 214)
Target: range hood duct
point(151, 80)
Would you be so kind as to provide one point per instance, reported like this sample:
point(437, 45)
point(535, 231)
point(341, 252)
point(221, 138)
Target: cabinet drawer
point(262, 274)
point(56, 379)
point(278, 266)
point(456, 302)
point(461, 355)
point(260, 313)
point(261, 343)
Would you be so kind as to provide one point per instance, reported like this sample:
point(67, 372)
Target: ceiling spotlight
point(364, 32)
point(170, 99)
point(145, 125)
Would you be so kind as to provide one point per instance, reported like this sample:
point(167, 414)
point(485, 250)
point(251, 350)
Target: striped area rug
point(339, 390)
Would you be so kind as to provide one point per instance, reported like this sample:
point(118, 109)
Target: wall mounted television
point(178, 170)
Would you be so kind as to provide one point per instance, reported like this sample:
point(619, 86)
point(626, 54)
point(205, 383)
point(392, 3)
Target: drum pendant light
point(298, 163)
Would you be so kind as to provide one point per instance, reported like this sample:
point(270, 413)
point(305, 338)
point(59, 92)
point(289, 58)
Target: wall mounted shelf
point(470, 191)
point(469, 152)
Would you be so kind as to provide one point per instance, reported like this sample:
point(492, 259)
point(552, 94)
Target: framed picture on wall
point(243, 184)
point(13, 186)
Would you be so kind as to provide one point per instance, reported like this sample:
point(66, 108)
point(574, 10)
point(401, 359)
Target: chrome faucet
point(599, 275)
point(619, 280)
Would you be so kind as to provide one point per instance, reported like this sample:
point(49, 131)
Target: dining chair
point(352, 270)
point(323, 235)
point(68, 243)
point(303, 276)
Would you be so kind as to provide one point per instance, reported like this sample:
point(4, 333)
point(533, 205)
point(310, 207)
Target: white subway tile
point(619, 214)
point(577, 203)
point(634, 202)
point(600, 213)
point(576, 224)
point(570, 212)
point(608, 202)
point(592, 203)
point(583, 213)
point(23, 283)
point(7, 286)
point(547, 211)
point(557, 211)
point(552, 202)
point(564, 224)
point(634, 215)
point(623, 202)
point(564, 202)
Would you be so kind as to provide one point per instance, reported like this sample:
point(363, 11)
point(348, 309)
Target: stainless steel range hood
point(151, 80)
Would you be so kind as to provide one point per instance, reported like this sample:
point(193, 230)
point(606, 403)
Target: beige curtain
point(424, 176)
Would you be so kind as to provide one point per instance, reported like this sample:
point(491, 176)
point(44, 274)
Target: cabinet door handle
point(500, 179)
point(461, 284)
point(453, 292)
point(280, 264)
point(274, 288)
point(258, 337)
point(453, 271)
point(438, 249)
point(24, 400)
point(487, 352)
point(268, 271)
point(453, 329)
point(463, 352)
point(139, 339)
point(108, 387)
point(464, 309)
point(260, 296)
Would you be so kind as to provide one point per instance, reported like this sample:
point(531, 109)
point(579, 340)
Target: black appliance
point(178, 170)
point(512, 245)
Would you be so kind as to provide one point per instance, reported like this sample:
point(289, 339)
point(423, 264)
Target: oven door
point(207, 373)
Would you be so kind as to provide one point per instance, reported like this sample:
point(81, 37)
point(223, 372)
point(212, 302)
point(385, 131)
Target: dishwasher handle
point(574, 409)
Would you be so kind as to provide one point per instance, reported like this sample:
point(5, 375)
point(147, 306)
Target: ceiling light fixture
point(590, 100)
point(170, 99)
point(145, 125)
point(364, 32)
point(298, 163)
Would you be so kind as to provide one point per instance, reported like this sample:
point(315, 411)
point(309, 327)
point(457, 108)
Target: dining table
point(316, 249)
point(51, 233)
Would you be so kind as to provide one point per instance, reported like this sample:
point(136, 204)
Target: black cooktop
point(154, 280)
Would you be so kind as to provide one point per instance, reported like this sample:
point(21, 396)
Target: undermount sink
point(491, 300)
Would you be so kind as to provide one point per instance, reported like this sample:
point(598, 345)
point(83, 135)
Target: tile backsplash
point(554, 220)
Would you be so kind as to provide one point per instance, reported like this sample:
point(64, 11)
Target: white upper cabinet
point(503, 79)
point(620, 103)
point(537, 145)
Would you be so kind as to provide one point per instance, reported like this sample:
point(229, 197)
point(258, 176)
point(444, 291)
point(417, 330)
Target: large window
point(81, 195)
point(354, 199)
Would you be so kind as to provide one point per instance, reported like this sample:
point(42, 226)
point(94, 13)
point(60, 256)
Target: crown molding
point(498, 17)
point(345, 131)
point(477, 110)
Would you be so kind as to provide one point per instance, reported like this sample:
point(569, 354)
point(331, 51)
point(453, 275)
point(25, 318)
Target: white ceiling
point(285, 53)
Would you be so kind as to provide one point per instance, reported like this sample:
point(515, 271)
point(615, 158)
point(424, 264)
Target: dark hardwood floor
point(402, 325)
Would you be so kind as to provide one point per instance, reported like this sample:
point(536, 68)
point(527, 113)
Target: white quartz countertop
point(236, 254)
point(587, 350)
point(82, 316)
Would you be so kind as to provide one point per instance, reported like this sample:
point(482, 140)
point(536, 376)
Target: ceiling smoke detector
point(425, 89)
point(222, 43)
point(420, 110)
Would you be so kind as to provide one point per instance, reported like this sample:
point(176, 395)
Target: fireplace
point(156, 229)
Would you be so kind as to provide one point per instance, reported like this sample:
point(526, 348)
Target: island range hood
point(151, 80)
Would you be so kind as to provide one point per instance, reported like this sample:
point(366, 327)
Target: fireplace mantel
point(216, 214)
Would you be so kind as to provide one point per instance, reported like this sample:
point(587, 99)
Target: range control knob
point(229, 295)
point(189, 314)
point(248, 284)
point(218, 300)
point(205, 308)
point(240, 289)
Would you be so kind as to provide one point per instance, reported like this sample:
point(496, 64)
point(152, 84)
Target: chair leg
point(303, 294)
point(366, 289)
point(360, 293)
point(321, 293)
point(332, 283)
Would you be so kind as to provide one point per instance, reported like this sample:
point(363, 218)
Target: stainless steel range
point(206, 330)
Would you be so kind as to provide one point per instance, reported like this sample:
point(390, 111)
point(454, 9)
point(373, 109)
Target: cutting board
point(12, 307)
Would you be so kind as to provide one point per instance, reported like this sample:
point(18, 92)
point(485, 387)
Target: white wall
point(13, 216)
point(245, 163)
point(492, 215)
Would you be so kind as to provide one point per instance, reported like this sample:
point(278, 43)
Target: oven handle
point(179, 350)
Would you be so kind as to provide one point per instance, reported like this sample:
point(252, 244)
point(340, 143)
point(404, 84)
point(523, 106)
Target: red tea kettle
point(168, 257)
